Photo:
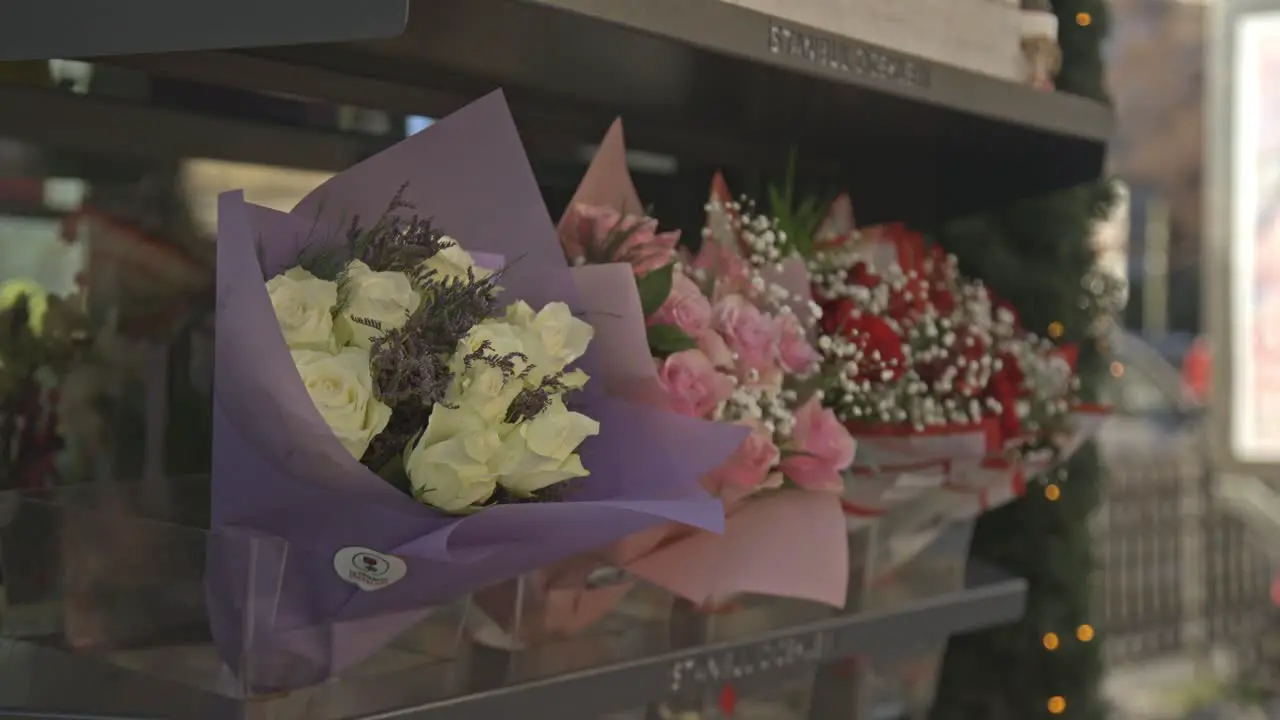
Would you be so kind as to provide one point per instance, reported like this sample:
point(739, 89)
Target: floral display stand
point(105, 610)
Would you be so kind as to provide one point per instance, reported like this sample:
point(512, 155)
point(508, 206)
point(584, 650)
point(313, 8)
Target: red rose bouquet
point(933, 374)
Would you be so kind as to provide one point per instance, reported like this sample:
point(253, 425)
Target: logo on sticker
point(368, 569)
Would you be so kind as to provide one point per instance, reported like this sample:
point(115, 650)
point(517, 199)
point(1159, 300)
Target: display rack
point(66, 121)
point(85, 28)
point(712, 83)
point(41, 682)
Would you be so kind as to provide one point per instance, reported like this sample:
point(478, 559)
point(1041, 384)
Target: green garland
point(1035, 253)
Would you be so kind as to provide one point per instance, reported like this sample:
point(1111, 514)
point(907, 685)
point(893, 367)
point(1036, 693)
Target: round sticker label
point(368, 569)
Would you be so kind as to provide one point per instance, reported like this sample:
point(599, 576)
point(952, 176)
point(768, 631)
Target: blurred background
point(111, 183)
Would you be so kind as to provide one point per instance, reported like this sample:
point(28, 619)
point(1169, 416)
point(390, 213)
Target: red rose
point(880, 344)
point(1011, 368)
point(944, 301)
point(936, 267)
point(860, 275)
point(1005, 392)
point(834, 314)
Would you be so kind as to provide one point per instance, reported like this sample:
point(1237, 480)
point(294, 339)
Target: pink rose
point(584, 228)
point(751, 335)
point(693, 384)
point(715, 348)
point(794, 350)
point(825, 449)
point(730, 271)
point(592, 230)
point(686, 307)
point(748, 469)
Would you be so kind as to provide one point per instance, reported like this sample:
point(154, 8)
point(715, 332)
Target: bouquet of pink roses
point(730, 335)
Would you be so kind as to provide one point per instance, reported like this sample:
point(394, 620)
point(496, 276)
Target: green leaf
point(394, 473)
point(667, 340)
point(655, 288)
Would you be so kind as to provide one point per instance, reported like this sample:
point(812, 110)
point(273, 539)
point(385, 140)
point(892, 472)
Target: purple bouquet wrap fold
point(282, 613)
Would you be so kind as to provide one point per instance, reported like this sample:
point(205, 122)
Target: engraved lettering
point(716, 667)
point(847, 56)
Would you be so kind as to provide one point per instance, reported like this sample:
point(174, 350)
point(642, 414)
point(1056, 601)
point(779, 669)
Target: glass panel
point(1132, 391)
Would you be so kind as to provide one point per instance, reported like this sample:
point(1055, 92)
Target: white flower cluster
point(1048, 382)
point(931, 367)
point(471, 444)
point(759, 241)
point(769, 407)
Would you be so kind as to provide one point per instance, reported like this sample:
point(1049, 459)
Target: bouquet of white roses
point(406, 358)
point(402, 418)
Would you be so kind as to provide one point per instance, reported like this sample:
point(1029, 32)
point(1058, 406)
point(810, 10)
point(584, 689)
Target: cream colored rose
point(303, 304)
point(552, 337)
point(452, 466)
point(386, 298)
point(341, 386)
point(504, 340)
point(543, 451)
point(485, 390)
point(453, 261)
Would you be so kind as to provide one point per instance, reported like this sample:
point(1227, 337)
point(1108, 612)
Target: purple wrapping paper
point(287, 496)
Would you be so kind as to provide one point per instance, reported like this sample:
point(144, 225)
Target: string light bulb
point(1057, 705)
point(1084, 19)
point(1051, 641)
point(1052, 492)
point(1056, 329)
point(1084, 633)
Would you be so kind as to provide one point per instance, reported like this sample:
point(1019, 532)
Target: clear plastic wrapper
point(907, 677)
point(110, 577)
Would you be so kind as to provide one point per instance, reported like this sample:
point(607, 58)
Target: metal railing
point(1176, 571)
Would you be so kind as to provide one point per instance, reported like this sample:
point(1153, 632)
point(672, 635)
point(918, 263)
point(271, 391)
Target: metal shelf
point(39, 682)
point(84, 28)
point(712, 83)
point(107, 126)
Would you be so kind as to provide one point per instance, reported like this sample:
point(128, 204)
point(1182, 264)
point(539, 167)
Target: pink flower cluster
point(739, 362)
point(598, 234)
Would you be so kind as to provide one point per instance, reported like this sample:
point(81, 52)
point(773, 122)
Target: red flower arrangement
point(934, 375)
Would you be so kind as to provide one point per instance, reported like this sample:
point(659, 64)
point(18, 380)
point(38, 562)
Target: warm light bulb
point(1084, 633)
point(1117, 369)
point(1084, 19)
point(1057, 704)
point(1052, 492)
point(1055, 329)
point(1050, 641)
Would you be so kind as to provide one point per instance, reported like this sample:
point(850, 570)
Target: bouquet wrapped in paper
point(729, 341)
point(936, 377)
point(413, 402)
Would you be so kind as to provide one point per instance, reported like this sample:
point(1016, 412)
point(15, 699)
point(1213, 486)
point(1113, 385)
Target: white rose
point(575, 379)
point(484, 390)
point(453, 469)
point(553, 337)
point(543, 451)
point(504, 340)
point(341, 386)
point(453, 261)
point(387, 298)
point(303, 304)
